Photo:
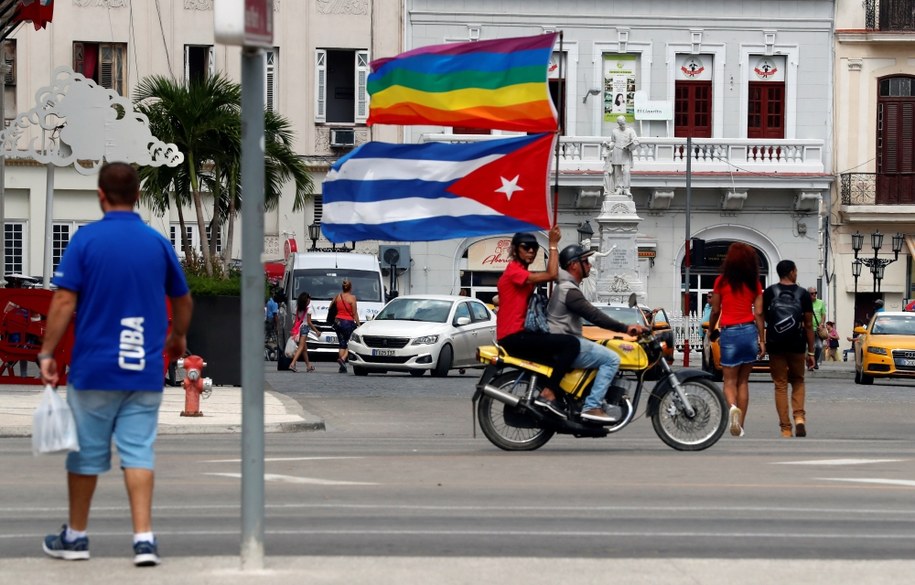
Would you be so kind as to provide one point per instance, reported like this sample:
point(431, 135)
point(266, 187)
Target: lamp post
point(314, 232)
point(856, 272)
point(876, 264)
point(585, 231)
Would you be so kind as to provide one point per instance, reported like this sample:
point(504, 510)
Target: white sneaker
point(734, 417)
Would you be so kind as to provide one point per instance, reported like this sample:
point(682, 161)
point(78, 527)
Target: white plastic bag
point(53, 427)
point(291, 346)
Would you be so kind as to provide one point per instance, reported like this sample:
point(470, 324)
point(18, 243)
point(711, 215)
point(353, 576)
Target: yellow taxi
point(885, 348)
point(632, 315)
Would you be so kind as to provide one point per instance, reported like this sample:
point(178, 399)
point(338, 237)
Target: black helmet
point(573, 253)
point(524, 238)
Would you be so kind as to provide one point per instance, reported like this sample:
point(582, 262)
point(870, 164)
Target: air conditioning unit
point(399, 256)
point(342, 137)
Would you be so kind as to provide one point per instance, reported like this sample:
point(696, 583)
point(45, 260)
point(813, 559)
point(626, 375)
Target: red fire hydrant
point(194, 384)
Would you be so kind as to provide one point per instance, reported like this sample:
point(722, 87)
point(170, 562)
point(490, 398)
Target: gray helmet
point(573, 253)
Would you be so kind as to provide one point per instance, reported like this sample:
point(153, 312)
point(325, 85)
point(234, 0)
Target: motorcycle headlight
point(876, 350)
point(355, 337)
point(425, 340)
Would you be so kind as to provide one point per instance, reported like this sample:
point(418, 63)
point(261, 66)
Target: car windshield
point(625, 315)
point(429, 310)
point(894, 325)
point(325, 283)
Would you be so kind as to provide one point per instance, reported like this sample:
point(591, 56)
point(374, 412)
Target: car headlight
point(355, 337)
point(876, 350)
point(425, 340)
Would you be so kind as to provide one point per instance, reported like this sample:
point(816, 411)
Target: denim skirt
point(739, 345)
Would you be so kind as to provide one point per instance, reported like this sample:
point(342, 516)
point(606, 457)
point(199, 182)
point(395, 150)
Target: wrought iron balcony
point(889, 15)
point(877, 189)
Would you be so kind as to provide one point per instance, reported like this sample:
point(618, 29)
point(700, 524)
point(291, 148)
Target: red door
point(766, 111)
point(896, 150)
point(693, 109)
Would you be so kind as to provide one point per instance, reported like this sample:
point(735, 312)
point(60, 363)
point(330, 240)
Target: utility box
point(398, 255)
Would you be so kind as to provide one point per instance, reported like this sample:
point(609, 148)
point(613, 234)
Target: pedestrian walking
point(121, 334)
point(737, 308)
point(832, 343)
point(345, 322)
point(819, 326)
point(788, 313)
point(302, 326)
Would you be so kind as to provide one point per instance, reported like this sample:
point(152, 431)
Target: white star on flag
point(509, 187)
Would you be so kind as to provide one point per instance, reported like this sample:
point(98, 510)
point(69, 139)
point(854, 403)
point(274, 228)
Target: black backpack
point(784, 316)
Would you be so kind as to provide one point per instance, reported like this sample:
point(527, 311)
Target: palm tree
point(203, 119)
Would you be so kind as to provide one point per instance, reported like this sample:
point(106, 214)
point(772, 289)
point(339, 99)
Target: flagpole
point(562, 107)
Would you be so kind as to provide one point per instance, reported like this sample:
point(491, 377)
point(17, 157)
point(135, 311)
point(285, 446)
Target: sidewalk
point(827, 371)
point(221, 412)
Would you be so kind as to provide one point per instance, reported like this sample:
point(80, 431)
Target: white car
point(415, 333)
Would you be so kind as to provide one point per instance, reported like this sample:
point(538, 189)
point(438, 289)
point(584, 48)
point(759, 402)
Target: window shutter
point(362, 98)
point(270, 86)
point(78, 58)
point(318, 201)
point(9, 58)
point(211, 62)
point(187, 64)
point(320, 85)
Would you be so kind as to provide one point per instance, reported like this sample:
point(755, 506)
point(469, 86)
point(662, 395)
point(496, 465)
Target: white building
point(750, 81)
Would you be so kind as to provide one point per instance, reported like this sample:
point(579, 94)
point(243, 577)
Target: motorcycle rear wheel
point(701, 431)
point(508, 427)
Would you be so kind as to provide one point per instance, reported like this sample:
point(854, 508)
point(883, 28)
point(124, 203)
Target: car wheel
point(445, 358)
point(417, 373)
point(857, 376)
point(360, 371)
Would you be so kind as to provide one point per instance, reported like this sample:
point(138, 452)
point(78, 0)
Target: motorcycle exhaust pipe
point(503, 397)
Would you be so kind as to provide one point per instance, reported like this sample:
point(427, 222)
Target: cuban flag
point(438, 191)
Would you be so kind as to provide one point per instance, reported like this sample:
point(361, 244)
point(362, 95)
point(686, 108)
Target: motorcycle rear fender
point(663, 386)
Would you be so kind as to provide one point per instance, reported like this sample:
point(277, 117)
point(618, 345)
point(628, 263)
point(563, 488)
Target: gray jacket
point(568, 306)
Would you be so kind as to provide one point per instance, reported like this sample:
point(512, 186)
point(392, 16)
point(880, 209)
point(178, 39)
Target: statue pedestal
point(618, 274)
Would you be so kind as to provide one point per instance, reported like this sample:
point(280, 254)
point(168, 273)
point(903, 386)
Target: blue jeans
point(591, 355)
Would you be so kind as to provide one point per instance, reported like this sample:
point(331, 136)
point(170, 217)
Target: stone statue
point(618, 158)
point(589, 285)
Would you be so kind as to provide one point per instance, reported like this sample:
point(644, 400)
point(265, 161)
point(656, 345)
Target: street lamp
point(585, 231)
point(877, 265)
point(314, 232)
point(856, 272)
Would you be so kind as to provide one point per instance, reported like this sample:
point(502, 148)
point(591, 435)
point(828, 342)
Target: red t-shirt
point(514, 291)
point(736, 306)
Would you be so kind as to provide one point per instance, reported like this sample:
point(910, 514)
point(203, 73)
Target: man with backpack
point(788, 312)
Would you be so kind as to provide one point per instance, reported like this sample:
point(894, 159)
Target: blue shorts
point(739, 345)
point(131, 418)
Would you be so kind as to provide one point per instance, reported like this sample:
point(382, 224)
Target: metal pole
point(689, 195)
point(252, 308)
point(48, 226)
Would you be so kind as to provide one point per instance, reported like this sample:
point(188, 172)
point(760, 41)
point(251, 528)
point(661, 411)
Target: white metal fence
point(686, 327)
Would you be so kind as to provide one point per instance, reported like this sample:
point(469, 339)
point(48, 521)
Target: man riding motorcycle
point(566, 309)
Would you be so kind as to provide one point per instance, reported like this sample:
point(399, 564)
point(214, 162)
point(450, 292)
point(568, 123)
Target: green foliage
point(223, 282)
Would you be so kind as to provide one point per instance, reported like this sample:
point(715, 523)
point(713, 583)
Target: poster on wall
point(619, 87)
point(694, 67)
point(767, 68)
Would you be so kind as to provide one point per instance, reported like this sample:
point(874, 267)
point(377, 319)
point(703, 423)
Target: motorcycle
point(687, 409)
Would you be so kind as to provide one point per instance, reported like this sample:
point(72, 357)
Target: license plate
point(905, 362)
point(382, 352)
point(330, 339)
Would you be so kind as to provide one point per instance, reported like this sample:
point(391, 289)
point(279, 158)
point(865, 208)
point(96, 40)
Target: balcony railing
point(877, 189)
point(889, 15)
point(735, 155)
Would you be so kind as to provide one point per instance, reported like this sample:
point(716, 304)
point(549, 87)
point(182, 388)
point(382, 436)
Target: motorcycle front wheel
point(509, 427)
point(700, 431)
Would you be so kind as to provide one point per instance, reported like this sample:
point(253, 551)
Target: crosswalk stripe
point(299, 480)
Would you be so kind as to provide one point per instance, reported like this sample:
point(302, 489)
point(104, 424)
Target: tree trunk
point(198, 208)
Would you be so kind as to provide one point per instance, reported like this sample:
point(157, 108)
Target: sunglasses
point(532, 247)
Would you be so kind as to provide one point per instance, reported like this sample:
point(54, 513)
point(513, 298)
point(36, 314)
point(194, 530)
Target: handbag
point(535, 321)
point(822, 332)
point(53, 426)
point(291, 346)
point(332, 312)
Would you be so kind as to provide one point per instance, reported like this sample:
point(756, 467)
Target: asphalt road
point(398, 473)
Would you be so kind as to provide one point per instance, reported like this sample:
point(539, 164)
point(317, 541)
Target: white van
point(321, 275)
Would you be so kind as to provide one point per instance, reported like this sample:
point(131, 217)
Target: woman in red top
point(737, 300)
point(515, 287)
point(346, 321)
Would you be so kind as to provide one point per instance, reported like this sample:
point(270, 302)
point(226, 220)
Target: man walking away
point(115, 274)
point(788, 312)
point(566, 309)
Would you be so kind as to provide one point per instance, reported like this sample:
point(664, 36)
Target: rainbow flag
point(499, 84)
